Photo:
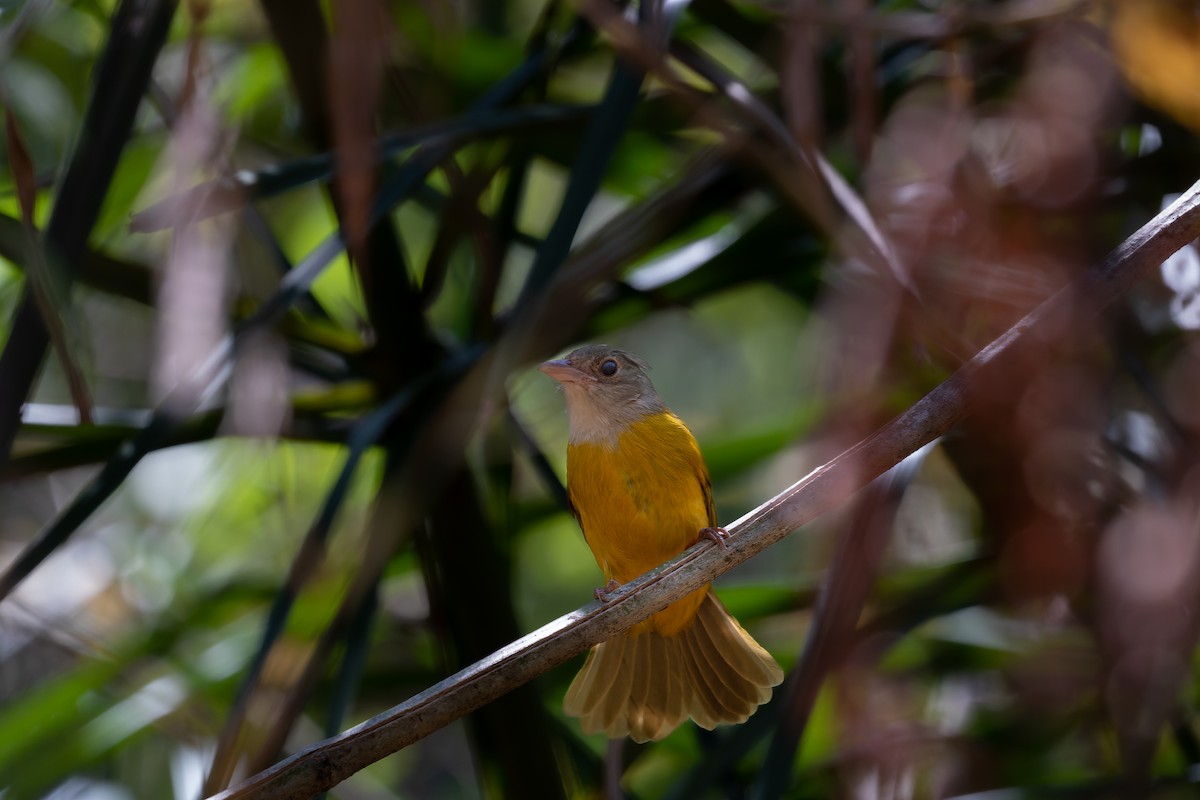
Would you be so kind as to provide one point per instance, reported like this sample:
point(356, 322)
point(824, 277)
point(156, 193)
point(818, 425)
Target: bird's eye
point(608, 368)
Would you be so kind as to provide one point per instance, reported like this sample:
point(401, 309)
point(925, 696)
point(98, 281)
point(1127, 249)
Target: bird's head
point(606, 389)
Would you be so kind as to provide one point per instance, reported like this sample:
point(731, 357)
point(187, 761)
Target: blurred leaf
point(256, 86)
point(1156, 45)
point(21, 165)
point(134, 172)
point(219, 197)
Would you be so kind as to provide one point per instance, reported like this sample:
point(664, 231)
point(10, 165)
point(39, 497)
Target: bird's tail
point(645, 684)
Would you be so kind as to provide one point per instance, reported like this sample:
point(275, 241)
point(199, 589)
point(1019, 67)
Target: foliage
point(273, 458)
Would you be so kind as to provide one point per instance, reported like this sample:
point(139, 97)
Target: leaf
point(20, 163)
point(211, 198)
point(358, 59)
point(42, 284)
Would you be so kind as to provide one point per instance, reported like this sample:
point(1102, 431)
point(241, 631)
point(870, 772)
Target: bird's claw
point(604, 593)
point(714, 533)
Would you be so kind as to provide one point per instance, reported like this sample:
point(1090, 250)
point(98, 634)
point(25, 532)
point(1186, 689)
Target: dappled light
point(286, 506)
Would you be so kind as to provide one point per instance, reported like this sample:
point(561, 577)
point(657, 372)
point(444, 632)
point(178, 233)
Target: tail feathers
point(718, 633)
point(645, 685)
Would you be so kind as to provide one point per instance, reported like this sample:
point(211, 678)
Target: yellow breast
point(643, 499)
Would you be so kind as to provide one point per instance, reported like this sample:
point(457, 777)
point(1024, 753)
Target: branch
point(327, 763)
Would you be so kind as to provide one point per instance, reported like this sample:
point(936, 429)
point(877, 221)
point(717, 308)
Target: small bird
point(641, 492)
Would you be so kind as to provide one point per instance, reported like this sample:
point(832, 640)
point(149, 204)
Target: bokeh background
point(275, 276)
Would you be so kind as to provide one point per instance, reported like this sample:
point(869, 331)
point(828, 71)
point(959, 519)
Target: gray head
point(606, 389)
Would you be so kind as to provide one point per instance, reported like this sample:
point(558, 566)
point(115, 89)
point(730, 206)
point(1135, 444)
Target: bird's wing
point(706, 487)
point(571, 507)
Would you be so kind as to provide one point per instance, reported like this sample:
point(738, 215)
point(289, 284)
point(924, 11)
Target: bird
point(641, 492)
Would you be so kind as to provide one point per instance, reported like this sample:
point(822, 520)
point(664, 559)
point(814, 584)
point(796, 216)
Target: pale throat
point(600, 423)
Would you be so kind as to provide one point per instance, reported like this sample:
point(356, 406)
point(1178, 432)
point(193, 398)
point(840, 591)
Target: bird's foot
point(714, 533)
point(604, 593)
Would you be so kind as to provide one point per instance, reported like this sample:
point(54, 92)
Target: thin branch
point(327, 763)
point(139, 29)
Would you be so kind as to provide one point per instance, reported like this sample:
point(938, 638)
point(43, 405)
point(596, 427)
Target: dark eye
point(608, 368)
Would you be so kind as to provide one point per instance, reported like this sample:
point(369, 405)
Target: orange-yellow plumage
point(638, 484)
point(642, 501)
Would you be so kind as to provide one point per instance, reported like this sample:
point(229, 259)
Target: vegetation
point(274, 457)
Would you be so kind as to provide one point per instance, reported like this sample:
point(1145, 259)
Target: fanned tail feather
point(645, 685)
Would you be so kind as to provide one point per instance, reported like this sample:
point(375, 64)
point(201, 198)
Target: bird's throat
point(591, 424)
point(598, 421)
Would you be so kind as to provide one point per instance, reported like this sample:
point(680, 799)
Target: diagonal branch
point(327, 763)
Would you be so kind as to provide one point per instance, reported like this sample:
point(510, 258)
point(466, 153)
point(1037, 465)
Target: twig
point(327, 763)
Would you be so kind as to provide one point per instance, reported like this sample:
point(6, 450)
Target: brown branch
point(327, 763)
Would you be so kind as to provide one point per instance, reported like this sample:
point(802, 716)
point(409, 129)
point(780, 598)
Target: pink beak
point(563, 372)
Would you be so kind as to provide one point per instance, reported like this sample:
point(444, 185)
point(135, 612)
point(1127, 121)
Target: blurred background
point(275, 276)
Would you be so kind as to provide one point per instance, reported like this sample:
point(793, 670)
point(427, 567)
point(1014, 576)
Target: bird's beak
point(563, 372)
